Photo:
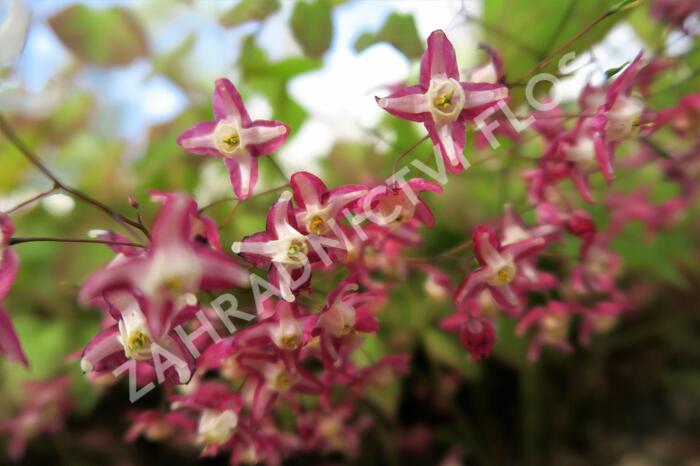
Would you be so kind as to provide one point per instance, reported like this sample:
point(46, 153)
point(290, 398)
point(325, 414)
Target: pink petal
point(421, 184)
point(478, 97)
point(423, 213)
point(9, 343)
point(623, 84)
point(219, 271)
point(495, 58)
point(472, 284)
point(439, 61)
point(103, 352)
point(227, 103)
point(243, 171)
point(199, 139)
point(409, 103)
point(343, 196)
point(110, 278)
point(173, 224)
point(9, 264)
point(505, 296)
point(308, 189)
point(486, 245)
point(449, 140)
point(524, 248)
point(603, 154)
point(264, 137)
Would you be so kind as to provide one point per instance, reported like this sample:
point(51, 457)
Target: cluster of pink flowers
point(299, 352)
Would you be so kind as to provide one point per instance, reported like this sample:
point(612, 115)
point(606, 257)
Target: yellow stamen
point(139, 341)
point(297, 249)
point(444, 101)
point(317, 225)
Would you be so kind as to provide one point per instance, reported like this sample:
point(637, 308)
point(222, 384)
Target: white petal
point(13, 31)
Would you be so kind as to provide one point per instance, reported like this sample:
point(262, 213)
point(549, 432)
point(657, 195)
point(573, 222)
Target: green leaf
point(104, 37)
point(249, 10)
point(508, 27)
point(398, 30)
point(613, 71)
point(312, 26)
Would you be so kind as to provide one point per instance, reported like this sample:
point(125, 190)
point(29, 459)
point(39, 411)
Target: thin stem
point(545, 61)
point(504, 34)
point(16, 141)
point(408, 151)
point(33, 199)
point(18, 240)
point(227, 199)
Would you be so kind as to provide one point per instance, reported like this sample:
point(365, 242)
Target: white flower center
point(446, 100)
point(503, 274)
point(216, 427)
point(583, 154)
point(624, 118)
point(227, 137)
point(134, 335)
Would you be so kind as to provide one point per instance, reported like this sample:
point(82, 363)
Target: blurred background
point(101, 92)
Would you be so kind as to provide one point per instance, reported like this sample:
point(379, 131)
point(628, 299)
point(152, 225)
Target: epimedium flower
point(347, 311)
point(622, 115)
point(285, 251)
point(218, 408)
point(47, 405)
point(551, 323)
point(491, 72)
point(171, 270)
point(234, 137)
point(394, 204)
point(441, 102)
point(318, 207)
point(499, 266)
point(132, 338)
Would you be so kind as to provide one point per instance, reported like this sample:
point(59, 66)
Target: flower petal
point(264, 136)
point(104, 352)
point(308, 189)
point(227, 103)
point(243, 171)
point(410, 103)
point(199, 139)
point(9, 343)
point(439, 60)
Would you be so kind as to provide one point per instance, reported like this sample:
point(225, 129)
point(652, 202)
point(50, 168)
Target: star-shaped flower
point(234, 137)
point(441, 102)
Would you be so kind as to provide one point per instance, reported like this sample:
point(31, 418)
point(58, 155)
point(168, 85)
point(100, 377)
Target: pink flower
point(499, 266)
point(441, 102)
point(346, 313)
point(319, 208)
point(674, 12)
point(391, 205)
point(600, 318)
point(218, 408)
point(282, 249)
point(477, 336)
point(152, 293)
point(552, 323)
point(491, 72)
point(513, 230)
point(234, 137)
point(157, 426)
point(623, 114)
point(47, 405)
point(9, 264)
point(684, 118)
